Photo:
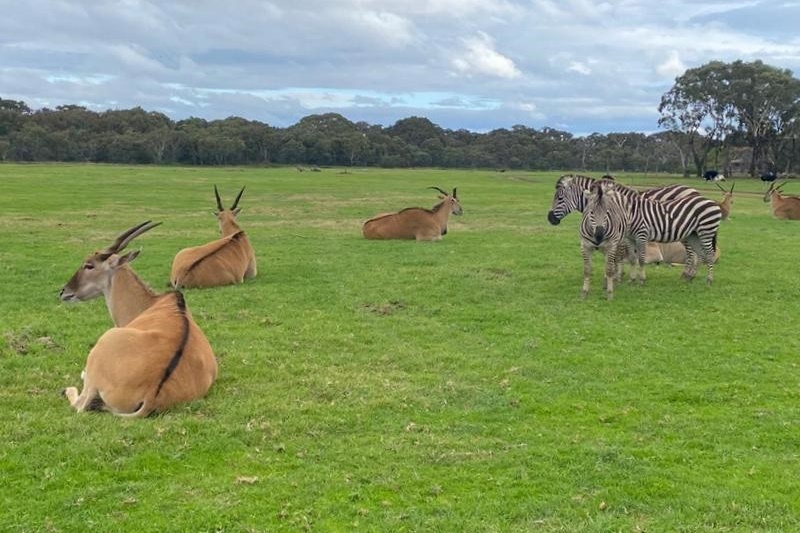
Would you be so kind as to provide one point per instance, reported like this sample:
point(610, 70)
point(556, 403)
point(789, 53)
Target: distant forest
point(702, 131)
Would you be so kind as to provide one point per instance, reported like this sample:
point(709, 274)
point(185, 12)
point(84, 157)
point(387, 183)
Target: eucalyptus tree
point(698, 106)
point(717, 102)
point(766, 100)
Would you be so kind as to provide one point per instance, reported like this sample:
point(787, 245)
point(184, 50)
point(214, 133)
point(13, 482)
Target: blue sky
point(579, 65)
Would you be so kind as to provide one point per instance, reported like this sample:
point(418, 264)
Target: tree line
point(738, 117)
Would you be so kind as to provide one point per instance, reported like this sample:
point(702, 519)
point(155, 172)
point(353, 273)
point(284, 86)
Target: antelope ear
point(237, 211)
point(127, 258)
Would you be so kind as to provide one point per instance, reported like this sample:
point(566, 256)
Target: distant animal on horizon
point(783, 207)
point(713, 175)
point(415, 222)
point(225, 261)
point(155, 356)
point(769, 176)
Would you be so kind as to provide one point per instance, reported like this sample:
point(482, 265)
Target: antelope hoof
point(71, 394)
point(609, 296)
point(584, 294)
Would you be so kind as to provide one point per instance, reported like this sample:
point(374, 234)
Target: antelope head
point(726, 194)
point(451, 200)
point(94, 275)
point(720, 187)
point(227, 217)
point(773, 190)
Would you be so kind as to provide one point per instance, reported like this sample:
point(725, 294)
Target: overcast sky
point(579, 65)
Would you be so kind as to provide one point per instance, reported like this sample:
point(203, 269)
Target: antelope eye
point(88, 266)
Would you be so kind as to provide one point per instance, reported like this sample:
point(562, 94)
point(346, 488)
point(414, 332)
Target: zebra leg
point(586, 252)
point(708, 251)
point(611, 269)
point(640, 248)
point(621, 256)
point(690, 269)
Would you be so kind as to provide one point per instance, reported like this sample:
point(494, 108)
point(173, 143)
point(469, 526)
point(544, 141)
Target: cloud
point(672, 67)
point(479, 58)
point(580, 68)
point(476, 64)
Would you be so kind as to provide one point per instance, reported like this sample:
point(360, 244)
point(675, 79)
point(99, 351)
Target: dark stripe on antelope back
point(176, 357)
point(233, 238)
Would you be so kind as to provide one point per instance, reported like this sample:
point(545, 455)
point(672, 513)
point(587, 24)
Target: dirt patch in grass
point(386, 308)
point(26, 340)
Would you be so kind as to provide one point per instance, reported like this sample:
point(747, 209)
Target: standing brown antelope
point(727, 200)
point(155, 357)
point(221, 262)
point(785, 207)
point(415, 222)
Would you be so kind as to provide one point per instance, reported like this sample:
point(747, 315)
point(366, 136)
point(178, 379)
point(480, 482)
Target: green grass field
point(456, 386)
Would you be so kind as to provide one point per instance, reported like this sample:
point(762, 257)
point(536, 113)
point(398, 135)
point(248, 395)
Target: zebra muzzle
point(599, 234)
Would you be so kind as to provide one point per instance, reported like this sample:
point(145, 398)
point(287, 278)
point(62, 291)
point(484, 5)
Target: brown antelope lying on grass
point(415, 222)
point(672, 253)
point(221, 262)
point(155, 357)
point(785, 207)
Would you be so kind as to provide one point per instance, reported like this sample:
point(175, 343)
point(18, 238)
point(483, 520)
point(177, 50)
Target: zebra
point(570, 196)
point(604, 226)
point(692, 220)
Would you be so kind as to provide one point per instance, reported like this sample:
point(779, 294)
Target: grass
point(400, 386)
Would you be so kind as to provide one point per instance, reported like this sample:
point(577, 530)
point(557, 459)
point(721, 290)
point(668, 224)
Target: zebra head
point(596, 216)
point(568, 197)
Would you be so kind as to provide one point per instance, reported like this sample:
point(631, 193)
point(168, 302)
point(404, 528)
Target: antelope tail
point(143, 410)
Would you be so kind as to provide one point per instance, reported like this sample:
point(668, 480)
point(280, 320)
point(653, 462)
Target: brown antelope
point(221, 262)
point(415, 222)
point(785, 207)
point(671, 253)
point(155, 357)
point(727, 200)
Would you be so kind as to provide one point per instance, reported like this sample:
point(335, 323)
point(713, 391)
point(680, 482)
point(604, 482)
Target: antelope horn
point(779, 187)
point(219, 202)
point(720, 187)
point(732, 186)
point(440, 190)
point(236, 202)
point(454, 192)
point(126, 237)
